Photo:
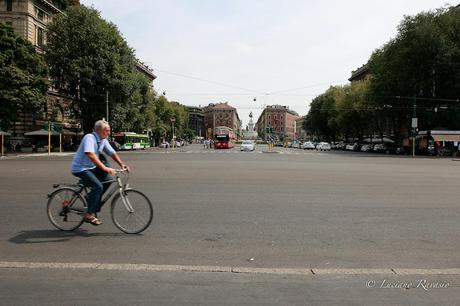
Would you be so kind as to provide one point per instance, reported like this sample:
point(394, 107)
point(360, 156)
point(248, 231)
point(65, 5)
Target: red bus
point(224, 137)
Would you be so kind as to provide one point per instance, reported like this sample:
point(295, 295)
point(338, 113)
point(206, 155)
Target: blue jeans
point(93, 179)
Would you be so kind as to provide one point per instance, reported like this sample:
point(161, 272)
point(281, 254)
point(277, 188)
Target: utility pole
point(414, 125)
point(107, 104)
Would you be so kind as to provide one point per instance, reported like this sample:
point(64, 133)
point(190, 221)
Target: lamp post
point(173, 121)
point(107, 104)
point(414, 125)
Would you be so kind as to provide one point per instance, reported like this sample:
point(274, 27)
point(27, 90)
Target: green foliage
point(87, 57)
point(189, 134)
point(23, 77)
point(158, 117)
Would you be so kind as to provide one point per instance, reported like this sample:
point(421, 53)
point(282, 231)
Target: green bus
point(131, 141)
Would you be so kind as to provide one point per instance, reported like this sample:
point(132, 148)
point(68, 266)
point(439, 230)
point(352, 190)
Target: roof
point(446, 137)
point(146, 70)
point(282, 108)
point(223, 106)
point(194, 108)
point(359, 73)
point(442, 135)
point(51, 6)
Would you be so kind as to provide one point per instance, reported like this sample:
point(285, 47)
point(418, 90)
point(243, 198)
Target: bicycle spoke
point(139, 218)
point(65, 209)
point(132, 212)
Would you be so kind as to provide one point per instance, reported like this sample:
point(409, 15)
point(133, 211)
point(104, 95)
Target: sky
point(276, 52)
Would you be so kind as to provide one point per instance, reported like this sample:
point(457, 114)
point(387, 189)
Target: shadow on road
point(47, 236)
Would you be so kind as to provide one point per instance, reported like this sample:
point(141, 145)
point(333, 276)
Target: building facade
point(280, 119)
point(300, 133)
point(146, 71)
point(196, 120)
point(29, 19)
point(221, 114)
point(359, 74)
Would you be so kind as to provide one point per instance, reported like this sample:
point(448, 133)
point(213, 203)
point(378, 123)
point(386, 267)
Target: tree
point(132, 114)
point(88, 58)
point(158, 114)
point(422, 62)
point(189, 134)
point(23, 77)
point(420, 65)
point(320, 120)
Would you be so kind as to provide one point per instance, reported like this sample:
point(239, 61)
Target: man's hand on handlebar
point(125, 168)
point(110, 171)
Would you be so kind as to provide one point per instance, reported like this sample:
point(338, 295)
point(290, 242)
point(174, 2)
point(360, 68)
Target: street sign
point(414, 122)
point(56, 127)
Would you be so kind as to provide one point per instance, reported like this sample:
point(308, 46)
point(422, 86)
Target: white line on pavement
point(225, 269)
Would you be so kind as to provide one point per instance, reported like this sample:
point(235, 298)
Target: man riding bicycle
point(87, 166)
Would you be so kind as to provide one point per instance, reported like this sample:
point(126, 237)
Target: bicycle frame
point(120, 186)
point(112, 189)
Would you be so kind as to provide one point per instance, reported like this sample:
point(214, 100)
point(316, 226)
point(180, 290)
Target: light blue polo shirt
point(90, 143)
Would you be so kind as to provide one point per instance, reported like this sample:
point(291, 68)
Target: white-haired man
point(87, 166)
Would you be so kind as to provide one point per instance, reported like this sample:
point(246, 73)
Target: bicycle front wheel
point(132, 212)
point(66, 209)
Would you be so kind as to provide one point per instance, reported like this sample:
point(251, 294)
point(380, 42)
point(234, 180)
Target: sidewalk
point(41, 154)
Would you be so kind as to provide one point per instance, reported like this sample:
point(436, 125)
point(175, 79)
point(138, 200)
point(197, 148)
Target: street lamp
point(173, 120)
point(107, 105)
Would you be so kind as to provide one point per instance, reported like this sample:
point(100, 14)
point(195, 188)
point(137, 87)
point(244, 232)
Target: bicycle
point(67, 206)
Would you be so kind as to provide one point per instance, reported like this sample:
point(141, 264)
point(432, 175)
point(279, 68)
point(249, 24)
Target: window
point(40, 37)
point(40, 14)
point(9, 5)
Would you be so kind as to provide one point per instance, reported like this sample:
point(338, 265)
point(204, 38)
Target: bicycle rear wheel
point(66, 209)
point(132, 213)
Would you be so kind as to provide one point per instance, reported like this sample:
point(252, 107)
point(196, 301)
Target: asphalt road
point(322, 211)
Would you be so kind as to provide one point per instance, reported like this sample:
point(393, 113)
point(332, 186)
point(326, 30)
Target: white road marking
point(225, 269)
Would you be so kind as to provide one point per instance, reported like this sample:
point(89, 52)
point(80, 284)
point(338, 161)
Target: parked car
point(352, 147)
point(323, 146)
point(367, 148)
point(338, 145)
point(296, 145)
point(380, 148)
point(308, 145)
point(247, 145)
